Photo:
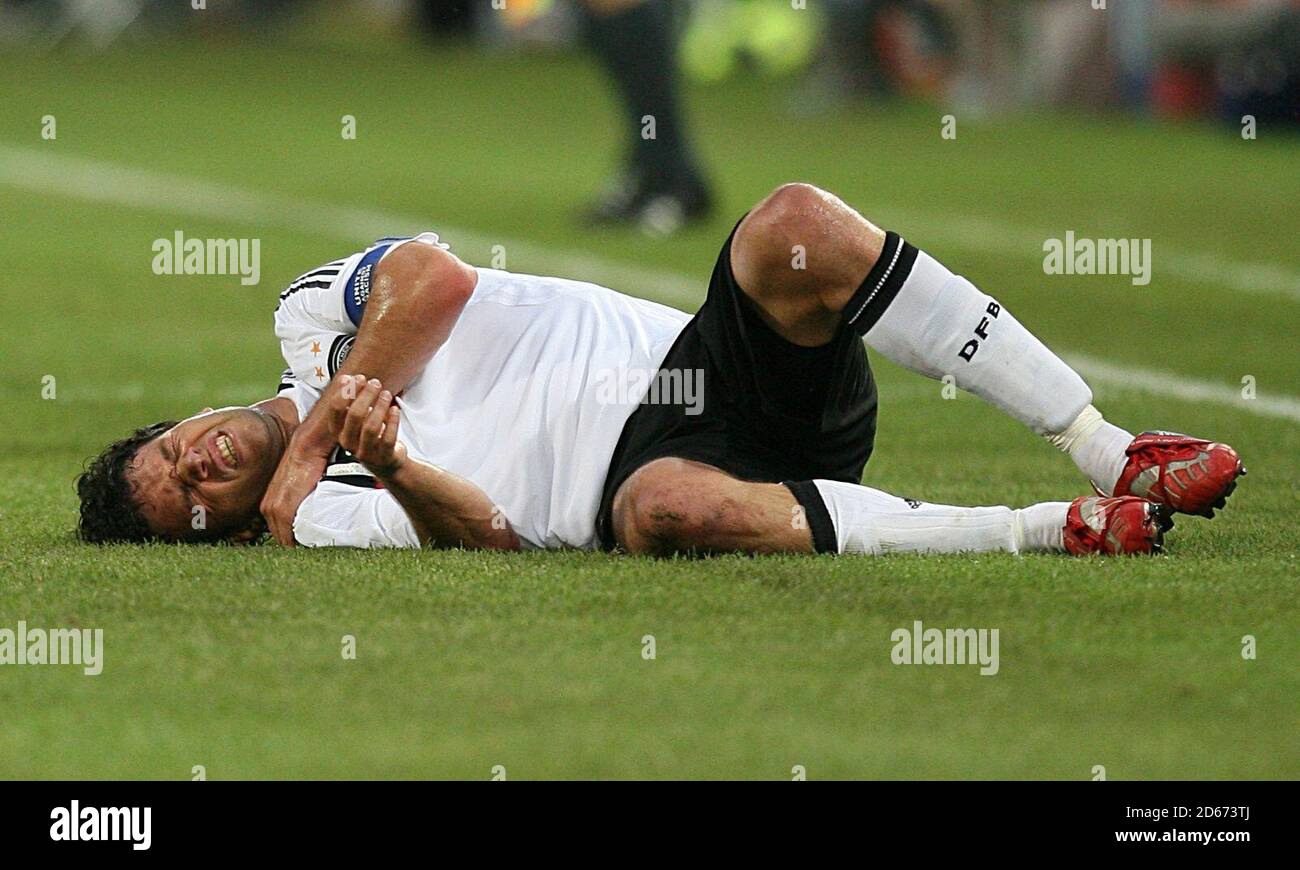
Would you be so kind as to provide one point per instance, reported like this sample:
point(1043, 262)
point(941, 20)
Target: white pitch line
point(1123, 376)
point(987, 236)
point(99, 181)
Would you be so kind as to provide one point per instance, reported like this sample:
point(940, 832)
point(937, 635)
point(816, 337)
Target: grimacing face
point(220, 461)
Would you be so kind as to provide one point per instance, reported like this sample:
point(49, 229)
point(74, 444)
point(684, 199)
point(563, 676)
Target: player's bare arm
point(417, 294)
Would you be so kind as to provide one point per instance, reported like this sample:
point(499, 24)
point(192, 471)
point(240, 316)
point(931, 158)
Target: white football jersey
point(526, 399)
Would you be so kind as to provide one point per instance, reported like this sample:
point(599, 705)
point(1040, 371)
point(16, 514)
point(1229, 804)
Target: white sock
point(1042, 527)
point(941, 324)
point(872, 522)
point(1096, 446)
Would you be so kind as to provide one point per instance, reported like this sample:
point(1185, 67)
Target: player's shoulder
point(320, 278)
point(340, 288)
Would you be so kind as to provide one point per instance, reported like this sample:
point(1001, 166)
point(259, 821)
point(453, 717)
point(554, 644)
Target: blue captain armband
point(356, 293)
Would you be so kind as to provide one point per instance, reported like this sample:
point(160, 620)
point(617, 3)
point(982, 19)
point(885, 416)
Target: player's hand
point(369, 430)
point(306, 456)
point(295, 477)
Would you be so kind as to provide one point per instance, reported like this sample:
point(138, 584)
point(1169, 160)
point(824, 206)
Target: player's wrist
point(312, 439)
point(389, 471)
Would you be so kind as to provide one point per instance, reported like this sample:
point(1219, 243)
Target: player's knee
point(784, 248)
point(789, 213)
point(665, 508)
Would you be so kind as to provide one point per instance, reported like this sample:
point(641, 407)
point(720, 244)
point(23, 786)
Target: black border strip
point(881, 285)
point(819, 519)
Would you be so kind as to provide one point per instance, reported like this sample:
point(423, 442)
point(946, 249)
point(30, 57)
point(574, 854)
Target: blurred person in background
point(1176, 58)
point(660, 186)
point(868, 50)
point(1230, 57)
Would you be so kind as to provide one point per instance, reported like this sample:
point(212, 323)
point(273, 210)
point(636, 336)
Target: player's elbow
point(500, 538)
point(475, 536)
point(452, 282)
point(430, 274)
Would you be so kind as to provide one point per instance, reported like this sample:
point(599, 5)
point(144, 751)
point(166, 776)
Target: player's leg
point(812, 263)
point(675, 506)
point(671, 506)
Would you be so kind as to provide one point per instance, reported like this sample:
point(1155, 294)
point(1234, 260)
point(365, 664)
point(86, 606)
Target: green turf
point(231, 658)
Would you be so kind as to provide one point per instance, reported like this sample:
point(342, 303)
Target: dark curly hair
point(109, 510)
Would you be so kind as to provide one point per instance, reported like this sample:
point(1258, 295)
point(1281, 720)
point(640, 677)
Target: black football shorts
point(768, 410)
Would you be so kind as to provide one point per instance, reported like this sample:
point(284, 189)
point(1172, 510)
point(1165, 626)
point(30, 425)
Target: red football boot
point(1189, 475)
point(1115, 526)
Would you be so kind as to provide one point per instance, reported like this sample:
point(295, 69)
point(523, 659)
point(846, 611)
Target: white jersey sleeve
point(339, 515)
point(319, 312)
point(347, 509)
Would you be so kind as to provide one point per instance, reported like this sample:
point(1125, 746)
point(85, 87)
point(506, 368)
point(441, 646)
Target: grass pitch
point(231, 659)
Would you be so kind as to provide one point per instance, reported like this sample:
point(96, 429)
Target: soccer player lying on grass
point(510, 435)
